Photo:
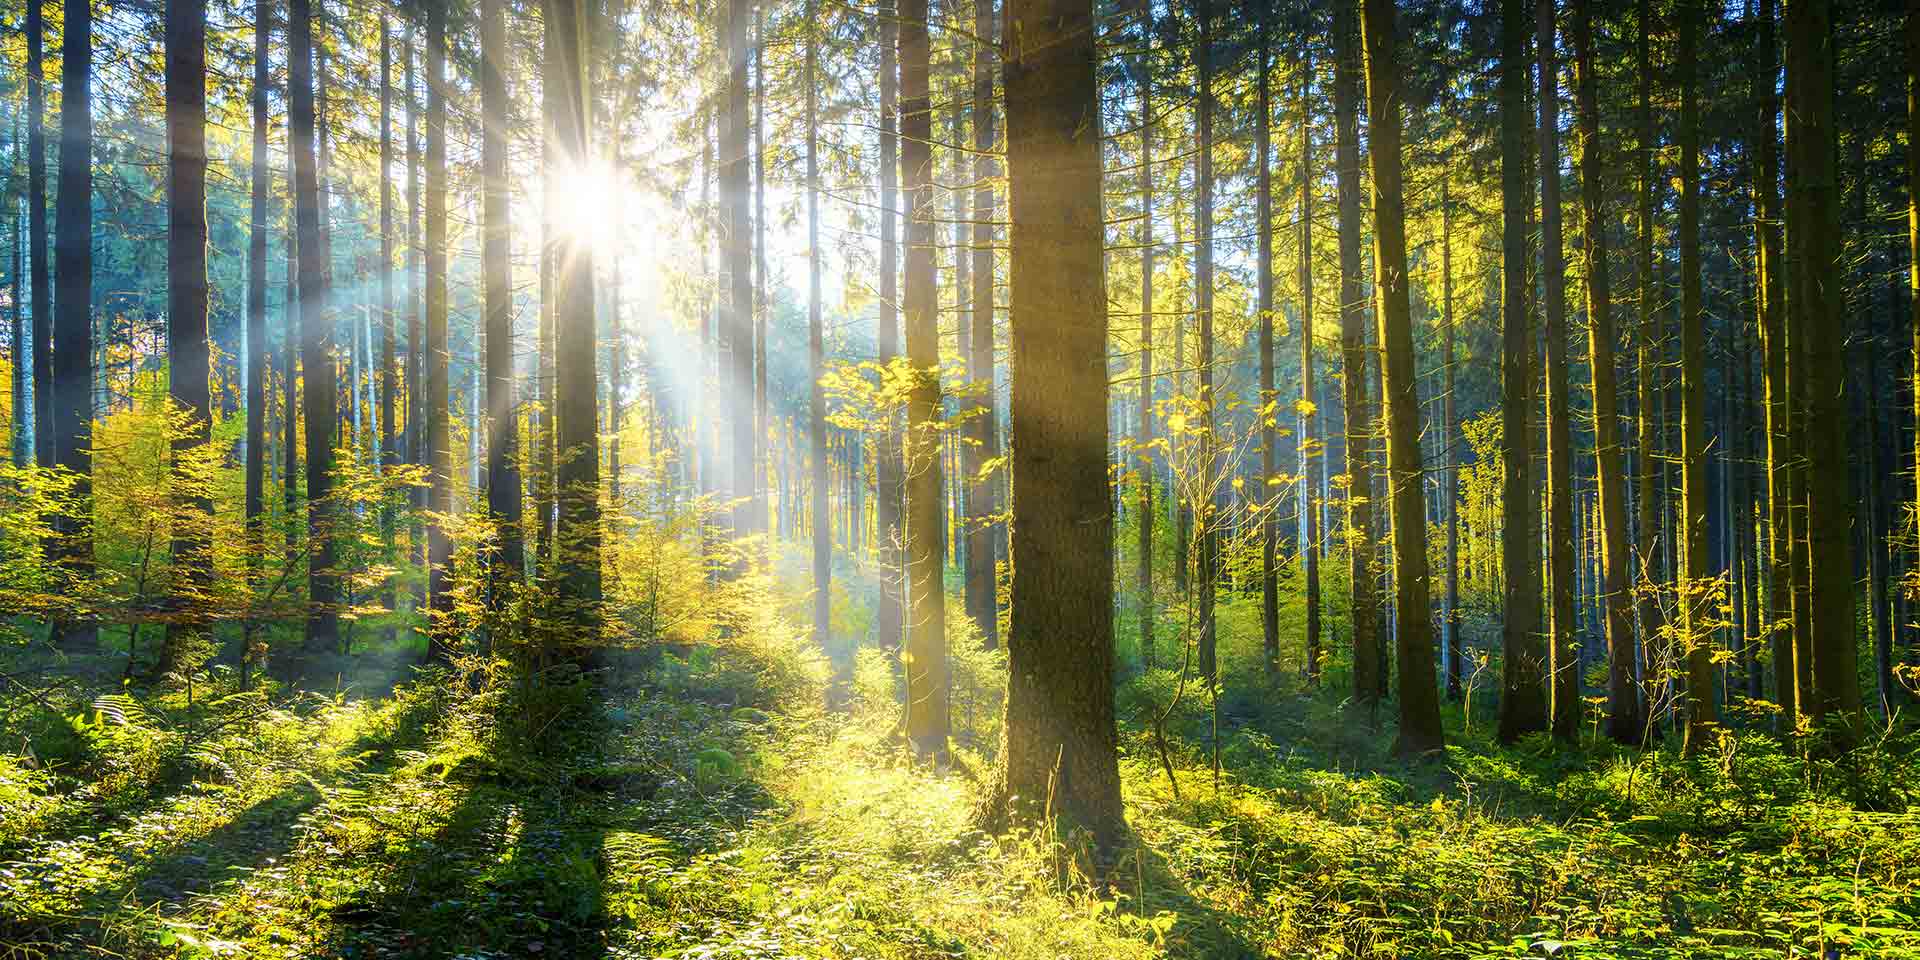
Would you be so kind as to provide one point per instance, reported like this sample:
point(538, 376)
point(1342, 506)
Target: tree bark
point(816, 362)
point(1149, 466)
point(1362, 574)
point(926, 656)
point(439, 433)
point(1269, 406)
point(259, 182)
point(1420, 731)
point(1058, 754)
point(1564, 666)
point(737, 322)
point(1523, 703)
point(42, 292)
point(1702, 712)
point(188, 357)
point(1312, 454)
point(496, 255)
point(1623, 700)
point(983, 532)
point(1208, 536)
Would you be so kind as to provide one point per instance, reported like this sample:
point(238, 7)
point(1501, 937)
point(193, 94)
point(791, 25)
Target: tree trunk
point(1058, 754)
point(1564, 667)
point(1312, 457)
point(1623, 701)
point(1269, 406)
point(887, 472)
point(45, 416)
point(1420, 731)
point(1450, 477)
point(817, 363)
point(737, 323)
point(1143, 574)
point(439, 434)
point(188, 356)
point(1207, 538)
point(1701, 710)
point(1523, 705)
point(1813, 228)
point(1773, 342)
point(926, 656)
point(496, 255)
point(259, 182)
point(983, 534)
point(318, 386)
point(1361, 572)
point(760, 301)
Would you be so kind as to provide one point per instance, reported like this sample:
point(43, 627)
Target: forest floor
point(696, 814)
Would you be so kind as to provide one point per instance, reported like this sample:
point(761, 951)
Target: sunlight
point(586, 204)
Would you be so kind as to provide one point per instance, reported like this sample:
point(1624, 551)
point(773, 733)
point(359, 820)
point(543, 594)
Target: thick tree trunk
point(1813, 228)
point(1361, 571)
point(926, 656)
point(983, 445)
point(1523, 702)
point(72, 394)
point(1058, 754)
point(188, 358)
point(1420, 731)
point(439, 434)
point(577, 535)
point(1702, 712)
point(496, 264)
point(259, 183)
point(1648, 497)
point(318, 386)
point(1623, 700)
point(1564, 666)
point(1773, 342)
point(888, 470)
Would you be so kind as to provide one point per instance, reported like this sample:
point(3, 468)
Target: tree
point(1564, 666)
point(1209, 534)
point(1361, 572)
point(817, 358)
point(1702, 709)
point(1813, 230)
point(1420, 730)
point(1311, 458)
point(1773, 342)
point(1058, 753)
point(316, 359)
point(737, 238)
point(888, 468)
point(982, 448)
point(72, 404)
point(1647, 482)
point(188, 362)
point(1269, 398)
point(503, 415)
point(41, 293)
point(1623, 700)
point(926, 655)
point(1143, 546)
point(577, 534)
point(439, 432)
point(259, 182)
point(1523, 706)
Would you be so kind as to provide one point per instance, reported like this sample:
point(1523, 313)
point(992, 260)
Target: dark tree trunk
point(983, 446)
point(1269, 406)
point(1564, 667)
point(1143, 573)
point(1312, 459)
point(577, 533)
point(1450, 477)
point(1361, 571)
point(260, 181)
point(1702, 711)
point(439, 434)
point(1420, 730)
point(1207, 491)
point(1058, 755)
point(496, 252)
point(389, 358)
point(42, 292)
point(188, 360)
point(1523, 702)
point(887, 471)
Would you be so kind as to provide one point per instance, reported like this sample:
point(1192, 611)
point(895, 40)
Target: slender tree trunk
point(926, 657)
point(1450, 476)
point(45, 417)
point(983, 447)
point(760, 301)
point(438, 383)
point(318, 381)
point(1208, 536)
point(72, 404)
point(1361, 573)
point(1058, 754)
point(1523, 704)
point(736, 328)
point(1701, 709)
point(1773, 342)
point(389, 357)
point(1269, 407)
point(1564, 666)
point(888, 470)
point(188, 349)
point(1420, 731)
point(1143, 574)
point(1623, 702)
point(496, 254)
point(1813, 229)
point(1312, 457)
point(817, 360)
point(259, 182)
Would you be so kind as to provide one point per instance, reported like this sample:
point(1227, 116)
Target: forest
point(1032, 479)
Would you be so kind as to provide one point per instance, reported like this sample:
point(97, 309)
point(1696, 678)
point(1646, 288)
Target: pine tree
point(188, 359)
point(1564, 667)
point(1362, 574)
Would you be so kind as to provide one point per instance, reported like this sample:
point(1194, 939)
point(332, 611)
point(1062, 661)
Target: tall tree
point(926, 655)
point(888, 470)
point(389, 454)
point(1361, 572)
point(1058, 752)
point(259, 182)
point(1702, 708)
point(188, 360)
point(577, 535)
point(72, 405)
point(982, 448)
point(817, 357)
point(316, 338)
point(737, 237)
point(1813, 230)
point(1420, 730)
point(1523, 704)
point(1623, 702)
point(1564, 666)
point(41, 292)
point(1209, 534)
point(1450, 472)
point(1143, 574)
point(1311, 457)
point(496, 252)
point(438, 379)
point(1647, 482)
point(1269, 411)
point(1769, 287)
